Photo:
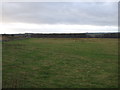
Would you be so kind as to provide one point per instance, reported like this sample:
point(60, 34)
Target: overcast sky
point(59, 17)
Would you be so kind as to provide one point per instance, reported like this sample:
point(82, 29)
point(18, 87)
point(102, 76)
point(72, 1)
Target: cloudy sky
point(59, 17)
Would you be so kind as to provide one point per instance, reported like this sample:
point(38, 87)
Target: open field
point(60, 63)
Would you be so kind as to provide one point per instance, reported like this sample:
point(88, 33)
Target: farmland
point(60, 63)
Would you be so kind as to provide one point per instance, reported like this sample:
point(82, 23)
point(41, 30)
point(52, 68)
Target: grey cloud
point(0, 12)
point(88, 13)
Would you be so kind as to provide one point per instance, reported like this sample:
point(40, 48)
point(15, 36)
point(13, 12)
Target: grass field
point(60, 63)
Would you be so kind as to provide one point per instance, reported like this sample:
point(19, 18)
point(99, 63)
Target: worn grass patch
point(60, 63)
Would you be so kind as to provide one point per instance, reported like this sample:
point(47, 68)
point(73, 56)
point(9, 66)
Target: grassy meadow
point(60, 63)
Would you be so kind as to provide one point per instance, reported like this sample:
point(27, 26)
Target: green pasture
point(60, 63)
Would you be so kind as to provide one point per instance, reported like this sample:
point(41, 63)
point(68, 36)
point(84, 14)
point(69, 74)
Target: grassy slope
point(60, 63)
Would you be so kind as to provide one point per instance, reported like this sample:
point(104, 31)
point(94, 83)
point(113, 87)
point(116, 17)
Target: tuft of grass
point(60, 63)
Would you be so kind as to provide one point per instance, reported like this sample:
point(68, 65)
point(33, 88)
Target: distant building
point(28, 35)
